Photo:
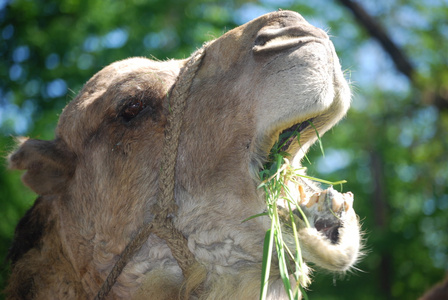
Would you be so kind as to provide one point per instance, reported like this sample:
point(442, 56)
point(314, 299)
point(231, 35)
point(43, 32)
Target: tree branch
point(437, 96)
point(400, 59)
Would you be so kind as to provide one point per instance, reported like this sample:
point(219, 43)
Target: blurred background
point(392, 148)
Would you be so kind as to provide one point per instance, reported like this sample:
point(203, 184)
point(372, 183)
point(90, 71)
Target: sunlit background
point(392, 148)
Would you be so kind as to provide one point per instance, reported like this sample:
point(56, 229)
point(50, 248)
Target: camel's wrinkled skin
point(98, 179)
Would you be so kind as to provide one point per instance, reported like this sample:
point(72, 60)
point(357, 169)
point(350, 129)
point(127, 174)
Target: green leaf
point(255, 216)
point(318, 138)
point(266, 265)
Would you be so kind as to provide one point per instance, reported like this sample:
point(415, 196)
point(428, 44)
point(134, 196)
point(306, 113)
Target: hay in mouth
point(284, 210)
point(284, 142)
point(288, 135)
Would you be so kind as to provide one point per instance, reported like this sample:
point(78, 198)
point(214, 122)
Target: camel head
point(97, 179)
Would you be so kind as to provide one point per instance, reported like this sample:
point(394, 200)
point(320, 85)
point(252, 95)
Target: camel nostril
point(274, 38)
point(302, 30)
point(261, 40)
point(279, 33)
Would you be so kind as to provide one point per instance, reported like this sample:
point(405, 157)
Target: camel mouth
point(290, 142)
point(289, 135)
point(296, 138)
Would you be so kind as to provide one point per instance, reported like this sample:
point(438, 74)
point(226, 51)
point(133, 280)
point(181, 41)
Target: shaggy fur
point(98, 179)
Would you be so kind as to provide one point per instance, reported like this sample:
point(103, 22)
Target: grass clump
point(289, 261)
point(275, 175)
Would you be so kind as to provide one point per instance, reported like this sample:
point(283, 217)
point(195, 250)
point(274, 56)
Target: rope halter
point(166, 207)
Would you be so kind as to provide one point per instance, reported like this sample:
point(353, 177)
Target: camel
point(98, 179)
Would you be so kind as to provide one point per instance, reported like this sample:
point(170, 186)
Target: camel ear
point(49, 165)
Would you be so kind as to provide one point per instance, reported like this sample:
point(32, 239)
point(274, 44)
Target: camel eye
point(132, 109)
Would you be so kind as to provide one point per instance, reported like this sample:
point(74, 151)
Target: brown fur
point(98, 178)
point(437, 292)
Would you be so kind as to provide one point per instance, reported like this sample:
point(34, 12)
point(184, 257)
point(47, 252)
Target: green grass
point(275, 175)
point(290, 261)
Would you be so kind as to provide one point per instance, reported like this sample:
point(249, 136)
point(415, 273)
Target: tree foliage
point(392, 147)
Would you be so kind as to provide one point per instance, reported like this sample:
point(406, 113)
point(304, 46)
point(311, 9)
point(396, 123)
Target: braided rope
point(125, 256)
point(177, 102)
point(162, 224)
